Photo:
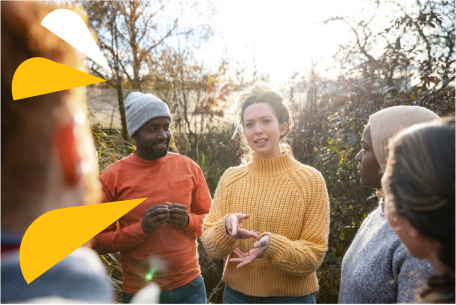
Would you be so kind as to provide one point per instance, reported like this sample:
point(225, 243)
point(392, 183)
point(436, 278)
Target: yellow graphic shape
point(58, 233)
point(38, 76)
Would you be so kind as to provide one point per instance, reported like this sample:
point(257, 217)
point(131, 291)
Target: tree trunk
point(123, 119)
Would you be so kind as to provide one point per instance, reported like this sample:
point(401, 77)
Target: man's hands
point(178, 214)
point(174, 213)
point(234, 230)
point(154, 216)
point(246, 258)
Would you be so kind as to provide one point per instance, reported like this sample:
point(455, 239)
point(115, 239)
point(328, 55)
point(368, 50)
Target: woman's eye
point(267, 121)
point(249, 125)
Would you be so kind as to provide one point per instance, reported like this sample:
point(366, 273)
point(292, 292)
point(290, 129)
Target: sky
point(282, 36)
point(285, 36)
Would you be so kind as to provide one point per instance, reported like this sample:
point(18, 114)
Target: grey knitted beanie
point(141, 108)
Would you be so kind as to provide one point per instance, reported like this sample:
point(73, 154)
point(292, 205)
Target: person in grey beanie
point(157, 239)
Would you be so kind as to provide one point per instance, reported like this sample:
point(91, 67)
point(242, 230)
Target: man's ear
point(66, 145)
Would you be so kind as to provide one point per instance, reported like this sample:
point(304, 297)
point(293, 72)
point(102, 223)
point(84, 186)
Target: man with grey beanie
point(157, 239)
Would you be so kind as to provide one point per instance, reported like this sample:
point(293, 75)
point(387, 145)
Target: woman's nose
point(358, 156)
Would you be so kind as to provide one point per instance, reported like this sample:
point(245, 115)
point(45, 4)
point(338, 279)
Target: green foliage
point(214, 154)
point(110, 145)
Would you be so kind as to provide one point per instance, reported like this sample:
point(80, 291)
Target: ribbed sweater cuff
point(224, 240)
point(274, 245)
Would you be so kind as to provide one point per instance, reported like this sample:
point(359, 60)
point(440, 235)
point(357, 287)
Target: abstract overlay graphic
point(70, 27)
point(58, 233)
point(37, 76)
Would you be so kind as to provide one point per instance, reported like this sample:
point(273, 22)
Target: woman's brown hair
point(420, 175)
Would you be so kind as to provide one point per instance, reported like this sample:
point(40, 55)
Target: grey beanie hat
point(141, 108)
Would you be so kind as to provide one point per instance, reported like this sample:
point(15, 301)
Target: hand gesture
point(154, 216)
point(234, 230)
point(178, 214)
point(246, 258)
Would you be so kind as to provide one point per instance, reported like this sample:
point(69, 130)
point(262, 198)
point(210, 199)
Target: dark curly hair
point(420, 175)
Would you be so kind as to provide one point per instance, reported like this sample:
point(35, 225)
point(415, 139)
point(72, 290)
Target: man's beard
point(158, 153)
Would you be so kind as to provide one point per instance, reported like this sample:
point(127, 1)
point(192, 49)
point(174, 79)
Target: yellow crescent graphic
point(38, 76)
point(56, 234)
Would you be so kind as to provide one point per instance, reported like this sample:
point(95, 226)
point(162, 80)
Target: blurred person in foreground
point(419, 201)
point(47, 162)
point(282, 204)
point(377, 268)
point(157, 239)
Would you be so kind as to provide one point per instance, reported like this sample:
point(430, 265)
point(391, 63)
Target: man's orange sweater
point(173, 178)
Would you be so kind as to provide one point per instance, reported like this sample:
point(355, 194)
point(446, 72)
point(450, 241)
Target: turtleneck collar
point(273, 166)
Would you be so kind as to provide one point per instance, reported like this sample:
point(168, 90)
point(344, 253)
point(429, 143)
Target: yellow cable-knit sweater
point(287, 201)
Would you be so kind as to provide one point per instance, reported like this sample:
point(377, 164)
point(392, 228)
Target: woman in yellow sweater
point(282, 204)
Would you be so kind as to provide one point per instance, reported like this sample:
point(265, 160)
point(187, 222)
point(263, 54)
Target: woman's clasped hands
point(236, 232)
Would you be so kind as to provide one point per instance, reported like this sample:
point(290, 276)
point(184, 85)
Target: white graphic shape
point(70, 27)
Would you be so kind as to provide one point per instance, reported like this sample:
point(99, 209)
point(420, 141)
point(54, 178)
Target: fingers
point(167, 208)
point(245, 262)
point(234, 229)
point(241, 256)
point(178, 210)
point(234, 223)
point(239, 253)
point(244, 259)
point(177, 206)
point(155, 208)
point(244, 234)
point(263, 242)
point(260, 244)
point(242, 216)
point(237, 260)
point(259, 248)
point(157, 219)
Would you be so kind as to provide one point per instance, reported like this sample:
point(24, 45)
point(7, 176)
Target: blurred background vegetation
point(405, 61)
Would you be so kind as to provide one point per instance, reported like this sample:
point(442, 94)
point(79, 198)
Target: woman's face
point(368, 167)
point(417, 245)
point(262, 130)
